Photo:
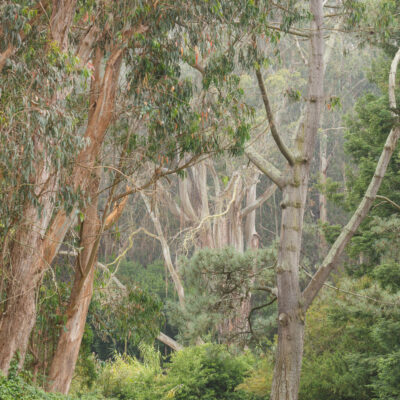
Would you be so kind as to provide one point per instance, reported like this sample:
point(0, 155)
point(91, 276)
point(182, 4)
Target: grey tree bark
point(292, 304)
point(294, 186)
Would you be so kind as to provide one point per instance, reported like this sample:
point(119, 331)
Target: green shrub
point(128, 378)
point(15, 387)
point(207, 372)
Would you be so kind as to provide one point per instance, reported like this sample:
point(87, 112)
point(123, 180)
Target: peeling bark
point(36, 248)
point(63, 364)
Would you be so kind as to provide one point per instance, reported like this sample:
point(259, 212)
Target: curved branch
point(395, 205)
point(279, 142)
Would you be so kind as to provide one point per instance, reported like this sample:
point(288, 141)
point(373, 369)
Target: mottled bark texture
point(40, 246)
point(63, 364)
point(85, 176)
point(286, 380)
point(27, 261)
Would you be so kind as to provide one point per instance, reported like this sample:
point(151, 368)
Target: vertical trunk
point(323, 166)
point(33, 251)
point(63, 364)
point(28, 260)
point(286, 380)
point(19, 315)
point(200, 180)
point(290, 320)
point(250, 224)
point(323, 149)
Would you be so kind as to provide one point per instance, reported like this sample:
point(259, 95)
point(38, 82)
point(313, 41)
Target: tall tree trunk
point(323, 149)
point(63, 364)
point(26, 253)
point(323, 167)
point(286, 380)
point(37, 246)
point(290, 320)
point(19, 316)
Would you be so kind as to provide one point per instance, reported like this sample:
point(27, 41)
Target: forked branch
point(348, 231)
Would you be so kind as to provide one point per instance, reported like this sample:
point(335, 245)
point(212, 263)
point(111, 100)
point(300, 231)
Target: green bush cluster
point(14, 387)
point(206, 372)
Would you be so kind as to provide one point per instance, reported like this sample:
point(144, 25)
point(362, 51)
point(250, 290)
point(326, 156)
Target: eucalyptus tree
point(56, 159)
point(134, 49)
point(293, 181)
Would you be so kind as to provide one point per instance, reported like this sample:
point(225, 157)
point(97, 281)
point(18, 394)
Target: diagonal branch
point(265, 167)
point(365, 205)
point(395, 205)
point(264, 197)
point(165, 249)
point(281, 145)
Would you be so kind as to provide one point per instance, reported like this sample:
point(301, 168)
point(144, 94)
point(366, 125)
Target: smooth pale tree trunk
point(323, 167)
point(323, 149)
point(154, 214)
point(286, 379)
point(294, 186)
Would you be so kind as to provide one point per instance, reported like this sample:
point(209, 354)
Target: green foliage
point(367, 130)
point(14, 387)
point(332, 190)
point(128, 378)
point(260, 379)
point(208, 372)
point(149, 277)
point(125, 318)
point(217, 282)
point(337, 363)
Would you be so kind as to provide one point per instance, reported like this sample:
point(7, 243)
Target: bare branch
point(281, 145)
point(165, 249)
point(348, 231)
point(265, 167)
point(395, 205)
point(162, 337)
point(264, 197)
point(351, 293)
